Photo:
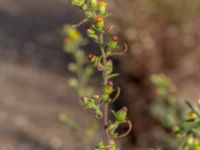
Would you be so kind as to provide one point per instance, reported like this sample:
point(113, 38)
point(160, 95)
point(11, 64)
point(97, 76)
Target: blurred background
point(163, 38)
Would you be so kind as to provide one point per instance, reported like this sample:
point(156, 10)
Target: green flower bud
point(84, 99)
point(175, 129)
point(121, 115)
point(90, 105)
point(102, 7)
point(93, 4)
point(113, 43)
point(101, 146)
point(110, 66)
point(113, 145)
point(108, 89)
point(92, 34)
point(89, 14)
point(92, 59)
point(77, 2)
point(192, 115)
point(96, 97)
point(105, 97)
point(95, 61)
point(99, 22)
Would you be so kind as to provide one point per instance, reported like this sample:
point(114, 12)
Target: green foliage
point(95, 10)
point(189, 129)
point(101, 146)
point(170, 114)
point(72, 42)
point(165, 107)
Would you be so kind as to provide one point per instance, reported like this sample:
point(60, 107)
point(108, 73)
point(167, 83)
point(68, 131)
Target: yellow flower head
point(192, 115)
point(102, 5)
point(99, 20)
point(72, 35)
point(197, 147)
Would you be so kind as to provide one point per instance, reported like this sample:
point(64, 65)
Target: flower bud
point(84, 99)
point(124, 109)
point(105, 97)
point(93, 4)
point(175, 129)
point(121, 115)
point(96, 96)
point(110, 66)
point(92, 59)
point(100, 146)
point(102, 7)
point(113, 145)
point(99, 22)
point(115, 38)
point(108, 89)
point(192, 115)
point(113, 43)
point(77, 2)
point(92, 34)
point(72, 34)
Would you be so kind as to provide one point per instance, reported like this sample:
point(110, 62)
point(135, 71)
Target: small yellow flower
point(74, 35)
point(99, 19)
point(102, 7)
point(99, 22)
point(192, 115)
point(197, 147)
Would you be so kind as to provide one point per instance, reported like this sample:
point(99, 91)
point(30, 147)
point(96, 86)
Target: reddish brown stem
point(106, 104)
point(106, 125)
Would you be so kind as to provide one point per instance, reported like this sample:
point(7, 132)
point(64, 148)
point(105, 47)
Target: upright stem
point(106, 126)
point(105, 82)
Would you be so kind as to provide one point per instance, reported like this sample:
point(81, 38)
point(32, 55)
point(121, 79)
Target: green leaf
point(113, 75)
